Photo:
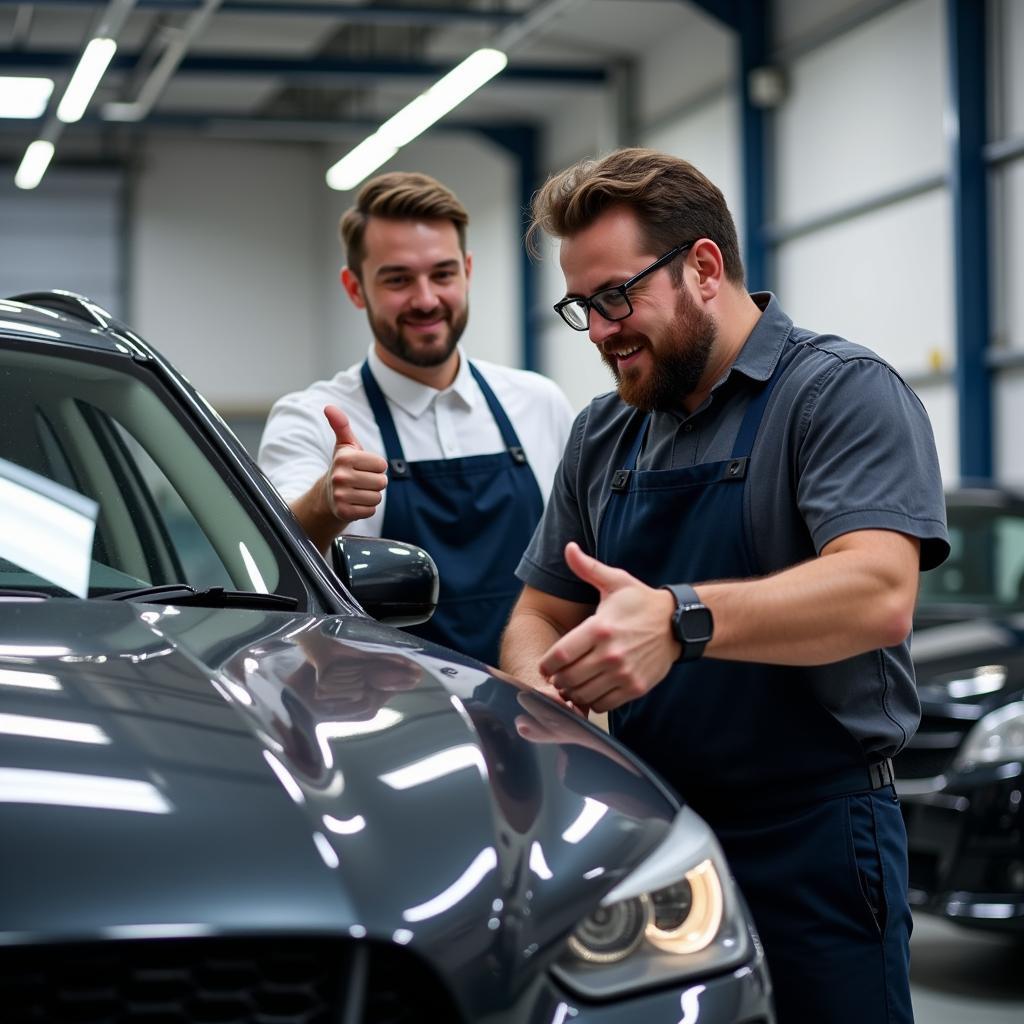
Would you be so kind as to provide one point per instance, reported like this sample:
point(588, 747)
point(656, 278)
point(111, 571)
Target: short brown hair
point(672, 200)
point(400, 195)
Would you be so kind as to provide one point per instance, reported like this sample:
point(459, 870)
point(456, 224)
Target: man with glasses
point(466, 450)
point(728, 565)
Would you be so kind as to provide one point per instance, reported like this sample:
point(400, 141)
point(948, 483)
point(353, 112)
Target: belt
point(721, 806)
point(881, 773)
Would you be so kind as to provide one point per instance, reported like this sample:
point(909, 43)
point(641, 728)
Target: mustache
point(441, 312)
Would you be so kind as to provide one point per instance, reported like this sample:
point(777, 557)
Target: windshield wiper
point(211, 597)
point(28, 595)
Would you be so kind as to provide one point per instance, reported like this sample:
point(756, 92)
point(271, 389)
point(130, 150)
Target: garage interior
point(872, 152)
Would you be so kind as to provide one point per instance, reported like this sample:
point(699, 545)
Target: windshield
point(986, 560)
point(103, 489)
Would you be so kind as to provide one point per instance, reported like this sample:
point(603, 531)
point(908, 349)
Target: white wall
point(235, 261)
point(686, 107)
point(223, 265)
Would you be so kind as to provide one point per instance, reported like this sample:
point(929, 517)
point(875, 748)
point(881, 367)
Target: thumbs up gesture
point(621, 651)
point(355, 482)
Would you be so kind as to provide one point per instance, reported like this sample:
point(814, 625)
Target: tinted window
point(163, 512)
point(986, 560)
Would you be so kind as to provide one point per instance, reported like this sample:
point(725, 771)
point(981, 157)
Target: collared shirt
point(844, 445)
point(298, 443)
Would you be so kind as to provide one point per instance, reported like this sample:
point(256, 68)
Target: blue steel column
point(750, 19)
point(522, 141)
point(752, 24)
point(969, 188)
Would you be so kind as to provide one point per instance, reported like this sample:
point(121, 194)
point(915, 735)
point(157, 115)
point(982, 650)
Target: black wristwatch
point(692, 623)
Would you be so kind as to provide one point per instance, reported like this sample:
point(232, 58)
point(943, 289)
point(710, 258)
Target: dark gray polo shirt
point(844, 445)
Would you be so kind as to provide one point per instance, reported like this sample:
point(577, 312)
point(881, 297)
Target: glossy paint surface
point(189, 771)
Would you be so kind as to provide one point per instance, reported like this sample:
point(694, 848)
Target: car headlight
point(677, 916)
point(998, 736)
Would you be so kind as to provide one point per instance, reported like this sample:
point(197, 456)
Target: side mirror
point(396, 583)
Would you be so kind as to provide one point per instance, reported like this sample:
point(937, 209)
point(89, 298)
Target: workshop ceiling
point(318, 69)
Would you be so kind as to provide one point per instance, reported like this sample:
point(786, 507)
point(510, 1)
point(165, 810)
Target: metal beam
point(725, 11)
point(523, 143)
point(966, 122)
point(308, 68)
point(750, 20)
point(752, 27)
point(363, 14)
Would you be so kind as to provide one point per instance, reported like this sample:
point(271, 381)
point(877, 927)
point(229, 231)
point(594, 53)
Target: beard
point(677, 366)
point(425, 349)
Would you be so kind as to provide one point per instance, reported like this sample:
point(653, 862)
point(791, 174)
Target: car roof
point(64, 318)
point(978, 494)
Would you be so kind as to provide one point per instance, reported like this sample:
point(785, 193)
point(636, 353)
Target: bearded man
point(728, 565)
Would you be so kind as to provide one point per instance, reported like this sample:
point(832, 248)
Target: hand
point(621, 651)
point(356, 480)
point(543, 723)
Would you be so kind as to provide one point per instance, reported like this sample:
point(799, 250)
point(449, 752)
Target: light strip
point(33, 164)
point(29, 786)
point(24, 97)
point(52, 729)
point(416, 117)
point(436, 766)
point(95, 60)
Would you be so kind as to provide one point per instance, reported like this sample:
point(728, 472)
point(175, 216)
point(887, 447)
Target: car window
point(164, 515)
point(986, 560)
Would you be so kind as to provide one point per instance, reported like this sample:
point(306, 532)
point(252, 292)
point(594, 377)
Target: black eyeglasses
point(611, 303)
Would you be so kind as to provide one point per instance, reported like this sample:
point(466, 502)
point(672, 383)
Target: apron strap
point(509, 436)
point(742, 446)
point(393, 451)
point(752, 417)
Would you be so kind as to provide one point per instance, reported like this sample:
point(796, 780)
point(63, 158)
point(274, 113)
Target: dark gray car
point(227, 793)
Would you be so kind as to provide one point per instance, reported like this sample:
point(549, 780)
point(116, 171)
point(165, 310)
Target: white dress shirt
point(298, 442)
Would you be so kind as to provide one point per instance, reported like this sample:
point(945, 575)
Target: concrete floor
point(965, 977)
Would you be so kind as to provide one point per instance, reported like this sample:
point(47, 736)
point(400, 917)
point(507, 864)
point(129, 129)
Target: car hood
point(180, 771)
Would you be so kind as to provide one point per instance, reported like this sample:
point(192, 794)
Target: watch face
point(695, 624)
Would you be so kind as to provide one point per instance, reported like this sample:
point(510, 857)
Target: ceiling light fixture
point(33, 164)
point(95, 60)
point(24, 97)
point(415, 118)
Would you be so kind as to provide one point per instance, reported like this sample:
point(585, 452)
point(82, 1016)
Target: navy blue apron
point(818, 853)
point(474, 515)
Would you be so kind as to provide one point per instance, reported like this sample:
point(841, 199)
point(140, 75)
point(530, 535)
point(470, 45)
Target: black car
point(227, 793)
point(961, 777)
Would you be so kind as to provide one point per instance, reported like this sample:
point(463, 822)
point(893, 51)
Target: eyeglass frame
point(623, 289)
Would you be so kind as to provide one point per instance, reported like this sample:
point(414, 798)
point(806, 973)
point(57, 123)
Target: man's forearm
point(318, 521)
point(527, 636)
point(829, 608)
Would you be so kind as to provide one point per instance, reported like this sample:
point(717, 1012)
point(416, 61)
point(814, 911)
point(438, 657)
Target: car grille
point(219, 981)
point(932, 748)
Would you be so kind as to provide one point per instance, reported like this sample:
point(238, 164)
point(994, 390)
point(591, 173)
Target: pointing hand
point(623, 650)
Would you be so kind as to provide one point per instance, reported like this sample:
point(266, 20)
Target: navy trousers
point(829, 883)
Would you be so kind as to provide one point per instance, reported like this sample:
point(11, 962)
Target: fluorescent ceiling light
point(24, 97)
point(94, 62)
point(415, 118)
point(359, 163)
point(33, 164)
